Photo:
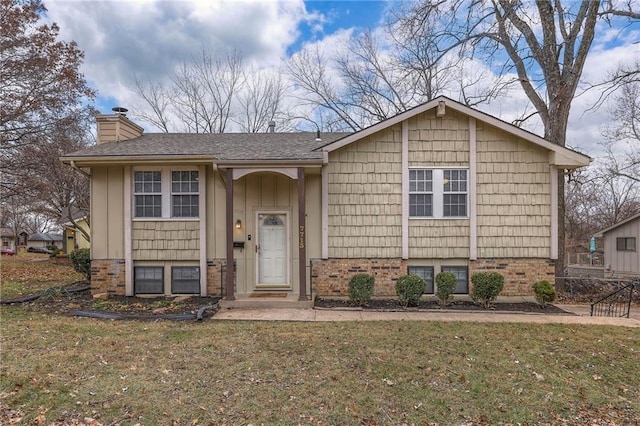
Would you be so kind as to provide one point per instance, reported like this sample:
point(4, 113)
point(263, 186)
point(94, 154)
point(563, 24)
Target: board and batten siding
point(622, 262)
point(107, 209)
point(438, 142)
point(365, 197)
point(513, 196)
point(165, 240)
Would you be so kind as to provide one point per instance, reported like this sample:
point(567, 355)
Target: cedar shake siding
point(365, 197)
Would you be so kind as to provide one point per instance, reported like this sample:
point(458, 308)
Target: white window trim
point(438, 193)
point(166, 193)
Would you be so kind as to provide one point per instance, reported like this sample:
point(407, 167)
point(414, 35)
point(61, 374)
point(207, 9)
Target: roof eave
point(612, 227)
point(136, 159)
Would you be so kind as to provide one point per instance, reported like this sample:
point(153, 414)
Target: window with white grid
point(147, 190)
point(438, 193)
point(184, 193)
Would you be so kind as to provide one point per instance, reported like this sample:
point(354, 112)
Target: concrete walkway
point(577, 314)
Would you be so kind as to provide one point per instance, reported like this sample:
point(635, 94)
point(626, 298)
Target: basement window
point(626, 244)
point(148, 279)
point(424, 272)
point(462, 278)
point(185, 280)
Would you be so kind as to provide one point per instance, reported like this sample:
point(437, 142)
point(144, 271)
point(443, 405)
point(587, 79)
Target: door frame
point(287, 219)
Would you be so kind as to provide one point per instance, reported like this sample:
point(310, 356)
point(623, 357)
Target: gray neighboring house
point(621, 255)
point(41, 239)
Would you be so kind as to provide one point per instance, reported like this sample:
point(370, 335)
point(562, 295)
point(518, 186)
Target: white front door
point(273, 259)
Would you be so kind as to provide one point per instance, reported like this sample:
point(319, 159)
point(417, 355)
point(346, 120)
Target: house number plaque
point(301, 234)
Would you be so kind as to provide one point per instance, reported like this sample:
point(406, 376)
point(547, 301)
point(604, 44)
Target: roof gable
point(560, 156)
point(617, 225)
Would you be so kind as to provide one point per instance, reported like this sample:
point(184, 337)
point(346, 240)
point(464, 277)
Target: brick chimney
point(117, 127)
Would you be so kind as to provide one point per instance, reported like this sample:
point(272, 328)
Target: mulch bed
point(425, 305)
point(157, 307)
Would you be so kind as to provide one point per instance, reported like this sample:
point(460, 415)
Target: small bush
point(409, 288)
point(545, 292)
point(486, 287)
point(361, 289)
point(445, 286)
point(81, 261)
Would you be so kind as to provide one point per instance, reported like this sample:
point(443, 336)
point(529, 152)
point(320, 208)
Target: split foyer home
point(441, 187)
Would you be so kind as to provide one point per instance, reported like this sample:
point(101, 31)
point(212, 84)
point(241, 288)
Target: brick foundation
point(331, 277)
point(216, 270)
point(108, 276)
point(519, 274)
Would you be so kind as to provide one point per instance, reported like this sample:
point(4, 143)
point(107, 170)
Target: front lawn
point(58, 369)
point(29, 273)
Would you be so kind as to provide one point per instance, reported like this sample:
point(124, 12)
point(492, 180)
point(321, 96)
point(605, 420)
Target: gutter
point(72, 163)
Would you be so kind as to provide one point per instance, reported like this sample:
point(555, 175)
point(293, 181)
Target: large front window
point(438, 193)
point(166, 193)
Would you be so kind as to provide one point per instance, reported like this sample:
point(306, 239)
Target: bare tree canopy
point(212, 94)
point(543, 44)
point(40, 81)
point(375, 76)
point(623, 135)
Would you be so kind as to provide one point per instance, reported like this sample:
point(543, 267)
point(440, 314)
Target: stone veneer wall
point(108, 276)
point(519, 273)
point(331, 277)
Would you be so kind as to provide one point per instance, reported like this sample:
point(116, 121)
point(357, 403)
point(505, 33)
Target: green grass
point(315, 373)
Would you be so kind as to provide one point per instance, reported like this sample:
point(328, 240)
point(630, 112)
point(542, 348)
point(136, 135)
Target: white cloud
point(151, 38)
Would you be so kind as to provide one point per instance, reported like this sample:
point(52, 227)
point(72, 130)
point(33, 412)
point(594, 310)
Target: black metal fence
point(615, 304)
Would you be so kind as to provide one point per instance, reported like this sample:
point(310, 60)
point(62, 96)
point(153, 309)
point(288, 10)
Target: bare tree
point(261, 100)
point(625, 130)
point(210, 94)
point(545, 44)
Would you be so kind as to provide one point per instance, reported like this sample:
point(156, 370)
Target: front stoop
point(245, 301)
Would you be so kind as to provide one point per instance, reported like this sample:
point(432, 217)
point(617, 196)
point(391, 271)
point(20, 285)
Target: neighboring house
point(441, 187)
point(72, 237)
point(42, 239)
point(621, 254)
point(8, 239)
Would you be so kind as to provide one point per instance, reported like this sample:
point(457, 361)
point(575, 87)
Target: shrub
point(81, 261)
point(361, 289)
point(545, 292)
point(486, 287)
point(445, 286)
point(409, 288)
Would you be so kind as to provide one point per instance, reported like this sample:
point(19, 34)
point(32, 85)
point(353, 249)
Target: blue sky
point(123, 39)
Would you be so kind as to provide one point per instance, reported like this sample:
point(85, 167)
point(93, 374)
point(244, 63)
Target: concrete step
point(247, 302)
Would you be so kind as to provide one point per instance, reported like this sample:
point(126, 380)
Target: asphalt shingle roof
point(221, 146)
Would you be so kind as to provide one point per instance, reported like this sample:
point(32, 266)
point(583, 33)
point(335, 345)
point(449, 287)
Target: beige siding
point(107, 213)
point(513, 193)
point(365, 197)
point(439, 142)
point(622, 262)
point(165, 240)
point(438, 238)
